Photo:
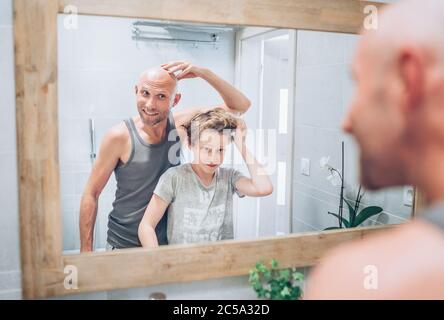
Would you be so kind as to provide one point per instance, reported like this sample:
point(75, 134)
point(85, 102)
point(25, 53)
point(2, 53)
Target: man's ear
point(136, 89)
point(411, 67)
point(176, 99)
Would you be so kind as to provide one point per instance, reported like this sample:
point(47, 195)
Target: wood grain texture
point(420, 203)
point(321, 15)
point(35, 40)
point(143, 267)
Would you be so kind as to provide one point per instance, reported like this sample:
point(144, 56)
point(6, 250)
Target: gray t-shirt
point(198, 213)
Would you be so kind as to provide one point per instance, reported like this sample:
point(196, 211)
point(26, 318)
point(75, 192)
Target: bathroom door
point(265, 73)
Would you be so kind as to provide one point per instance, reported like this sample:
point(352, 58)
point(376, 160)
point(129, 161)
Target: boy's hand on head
point(185, 69)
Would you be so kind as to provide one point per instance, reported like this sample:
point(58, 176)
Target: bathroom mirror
point(299, 86)
point(291, 63)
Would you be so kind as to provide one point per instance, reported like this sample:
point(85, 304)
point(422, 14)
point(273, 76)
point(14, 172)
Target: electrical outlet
point(305, 166)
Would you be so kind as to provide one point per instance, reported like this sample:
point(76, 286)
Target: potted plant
point(355, 218)
point(274, 284)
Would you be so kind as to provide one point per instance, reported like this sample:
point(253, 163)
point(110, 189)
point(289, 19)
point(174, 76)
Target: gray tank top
point(136, 181)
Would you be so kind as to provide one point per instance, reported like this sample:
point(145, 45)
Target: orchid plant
point(355, 218)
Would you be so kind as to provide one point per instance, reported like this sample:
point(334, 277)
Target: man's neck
point(430, 177)
point(154, 133)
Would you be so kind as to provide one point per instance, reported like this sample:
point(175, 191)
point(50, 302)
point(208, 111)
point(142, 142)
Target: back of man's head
point(397, 112)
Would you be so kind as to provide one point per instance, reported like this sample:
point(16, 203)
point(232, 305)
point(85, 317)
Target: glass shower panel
point(266, 77)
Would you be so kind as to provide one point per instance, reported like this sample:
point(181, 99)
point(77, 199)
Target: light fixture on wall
point(169, 31)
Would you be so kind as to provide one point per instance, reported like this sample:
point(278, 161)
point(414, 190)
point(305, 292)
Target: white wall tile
point(301, 226)
point(9, 279)
point(319, 48)
point(14, 294)
point(313, 212)
point(9, 225)
point(230, 288)
point(6, 13)
point(319, 96)
point(7, 92)
point(236, 288)
point(349, 42)
point(324, 90)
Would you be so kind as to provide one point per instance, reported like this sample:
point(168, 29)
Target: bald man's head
point(398, 106)
point(156, 93)
point(159, 77)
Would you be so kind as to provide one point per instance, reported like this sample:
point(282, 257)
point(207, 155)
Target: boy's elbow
point(143, 226)
point(247, 105)
point(266, 191)
point(243, 107)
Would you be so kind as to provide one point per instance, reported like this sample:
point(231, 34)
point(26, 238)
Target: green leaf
point(296, 294)
point(261, 268)
point(274, 263)
point(257, 286)
point(351, 213)
point(253, 277)
point(344, 221)
point(267, 275)
point(367, 213)
point(297, 276)
point(285, 292)
point(332, 228)
point(273, 283)
point(285, 274)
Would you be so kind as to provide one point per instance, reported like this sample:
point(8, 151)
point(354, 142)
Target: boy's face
point(209, 152)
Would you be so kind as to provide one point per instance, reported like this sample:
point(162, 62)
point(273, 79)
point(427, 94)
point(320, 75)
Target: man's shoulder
point(385, 254)
point(405, 241)
point(118, 134)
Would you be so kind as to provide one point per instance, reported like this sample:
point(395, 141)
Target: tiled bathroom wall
point(9, 228)
point(323, 91)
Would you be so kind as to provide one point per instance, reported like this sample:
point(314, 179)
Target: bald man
point(397, 118)
point(140, 149)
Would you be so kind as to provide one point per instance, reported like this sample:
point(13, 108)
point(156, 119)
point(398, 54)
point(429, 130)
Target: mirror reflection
point(179, 133)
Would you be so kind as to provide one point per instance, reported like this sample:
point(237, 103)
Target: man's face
point(376, 123)
point(155, 97)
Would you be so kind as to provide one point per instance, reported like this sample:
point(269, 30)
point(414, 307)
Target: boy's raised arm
point(259, 183)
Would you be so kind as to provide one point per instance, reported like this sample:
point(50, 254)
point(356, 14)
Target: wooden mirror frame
point(43, 265)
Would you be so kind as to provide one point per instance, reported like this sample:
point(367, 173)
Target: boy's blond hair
point(216, 119)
